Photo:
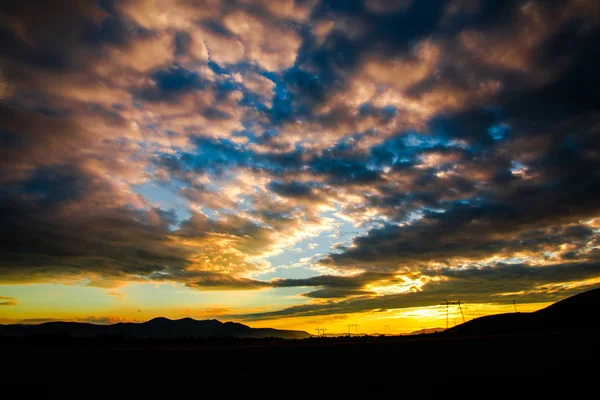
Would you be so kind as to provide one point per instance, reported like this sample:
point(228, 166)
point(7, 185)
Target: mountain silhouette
point(572, 314)
point(427, 331)
point(155, 328)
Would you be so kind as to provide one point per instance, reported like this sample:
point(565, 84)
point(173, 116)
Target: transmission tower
point(448, 304)
point(515, 306)
point(461, 312)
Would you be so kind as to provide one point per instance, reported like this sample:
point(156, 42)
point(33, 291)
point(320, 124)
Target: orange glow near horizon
point(400, 322)
point(116, 305)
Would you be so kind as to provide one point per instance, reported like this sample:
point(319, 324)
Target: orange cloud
point(8, 301)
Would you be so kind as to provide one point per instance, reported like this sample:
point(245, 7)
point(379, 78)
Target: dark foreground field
point(339, 365)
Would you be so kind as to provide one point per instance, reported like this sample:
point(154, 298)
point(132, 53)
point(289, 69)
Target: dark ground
point(300, 368)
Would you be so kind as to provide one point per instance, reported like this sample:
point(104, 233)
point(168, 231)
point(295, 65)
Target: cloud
point(37, 320)
point(229, 33)
point(293, 189)
point(497, 285)
point(108, 320)
point(260, 85)
point(384, 6)
point(101, 320)
point(8, 301)
point(270, 47)
point(200, 142)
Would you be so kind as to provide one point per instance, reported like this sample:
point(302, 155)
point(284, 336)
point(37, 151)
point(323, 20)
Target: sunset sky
point(296, 164)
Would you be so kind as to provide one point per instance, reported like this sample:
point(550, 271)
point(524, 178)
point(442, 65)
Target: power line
point(320, 331)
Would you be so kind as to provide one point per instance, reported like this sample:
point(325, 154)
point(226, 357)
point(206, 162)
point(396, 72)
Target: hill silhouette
point(425, 331)
point(572, 314)
point(155, 328)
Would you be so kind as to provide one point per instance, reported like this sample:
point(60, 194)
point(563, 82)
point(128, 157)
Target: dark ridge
point(155, 328)
point(569, 315)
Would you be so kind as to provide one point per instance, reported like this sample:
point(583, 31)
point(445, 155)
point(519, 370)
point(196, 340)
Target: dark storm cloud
point(172, 82)
point(37, 39)
point(343, 170)
point(208, 281)
point(333, 281)
point(527, 274)
point(332, 286)
point(471, 125)
point(292, 189)
point(329, 293)
point(54, 185)
point(390, 32)
point(573, 93)
point(112, 243)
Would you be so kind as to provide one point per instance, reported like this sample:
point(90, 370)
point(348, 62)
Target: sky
point(297, 164)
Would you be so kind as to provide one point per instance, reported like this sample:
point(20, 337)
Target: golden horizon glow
point(118, 307)
point(399, 322)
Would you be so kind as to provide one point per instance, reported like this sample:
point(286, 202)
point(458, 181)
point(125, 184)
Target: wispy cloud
point(8, 301)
